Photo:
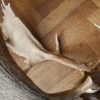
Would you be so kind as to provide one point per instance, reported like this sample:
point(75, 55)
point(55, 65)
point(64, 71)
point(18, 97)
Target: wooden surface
point(77, 23)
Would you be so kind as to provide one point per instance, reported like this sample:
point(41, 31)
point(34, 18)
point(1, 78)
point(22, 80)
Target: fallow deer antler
point(23, 43)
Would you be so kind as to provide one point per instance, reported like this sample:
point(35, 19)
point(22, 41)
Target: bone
point(23, 42)
point(88, 86)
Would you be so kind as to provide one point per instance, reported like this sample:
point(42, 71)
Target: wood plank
point(95, 19)
point(57, 16)
point(79, 15)
point(49, 6)
point(38, 3)
point(67, 82)
point(94, 41)
point(45, 80)
point(97, 2)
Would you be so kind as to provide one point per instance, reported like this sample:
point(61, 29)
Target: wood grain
point(75, 22)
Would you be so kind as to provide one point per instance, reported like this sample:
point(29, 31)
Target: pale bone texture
point(23, 43)
point(87, 86)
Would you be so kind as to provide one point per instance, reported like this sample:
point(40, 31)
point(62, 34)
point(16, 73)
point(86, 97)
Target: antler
point(23, 43)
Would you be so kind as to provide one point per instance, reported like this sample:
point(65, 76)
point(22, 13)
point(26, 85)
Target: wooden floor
point(77, 23)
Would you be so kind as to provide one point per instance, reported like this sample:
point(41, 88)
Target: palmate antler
point(23, 43)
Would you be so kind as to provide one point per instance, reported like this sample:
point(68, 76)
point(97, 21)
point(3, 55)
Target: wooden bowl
point(78, 24)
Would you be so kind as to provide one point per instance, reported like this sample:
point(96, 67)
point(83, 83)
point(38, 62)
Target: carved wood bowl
point(77, 23)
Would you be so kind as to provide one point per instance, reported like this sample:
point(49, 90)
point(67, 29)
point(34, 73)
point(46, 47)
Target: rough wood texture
point(78, 24)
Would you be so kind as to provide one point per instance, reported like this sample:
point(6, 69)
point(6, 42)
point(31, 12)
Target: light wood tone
point(97, 2)
point(95, 19)
point(56, 74)
point(79, 38)
point(57, 15)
